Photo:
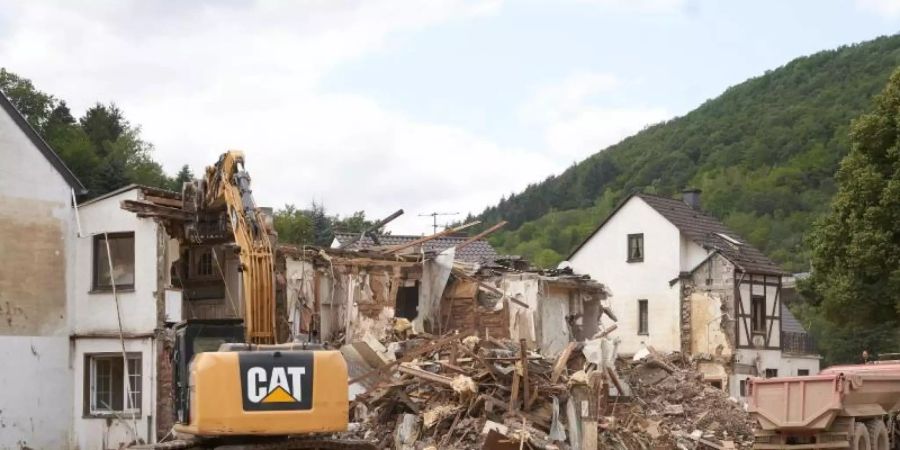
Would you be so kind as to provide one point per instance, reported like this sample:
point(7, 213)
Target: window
point(636, 247)
point(771, 373)
point(202, 263)
point(105, 384)
point(407, 303)
point(743, 387)
point(121, 251)
point(802, 372)
point(643, 318)
point(758, 314)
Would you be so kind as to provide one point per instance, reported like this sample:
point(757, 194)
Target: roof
point(41, 145)
point(144, 188)
point(789, 322)
point(705, 230)
point(478, 251)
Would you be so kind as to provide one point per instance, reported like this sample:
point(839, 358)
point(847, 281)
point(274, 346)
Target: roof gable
point(478, 251)
point(712, 234)
point(41, 145)
point(705, 230)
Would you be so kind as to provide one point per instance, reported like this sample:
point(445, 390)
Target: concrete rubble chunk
point(406, 433)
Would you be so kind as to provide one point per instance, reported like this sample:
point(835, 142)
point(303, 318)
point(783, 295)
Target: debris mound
point(460, 392)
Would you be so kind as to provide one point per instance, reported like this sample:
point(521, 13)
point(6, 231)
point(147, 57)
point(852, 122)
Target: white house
point(680, 280)
point(37, 248)
point(115, 402)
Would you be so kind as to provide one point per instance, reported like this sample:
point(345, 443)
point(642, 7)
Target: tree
point(33, 104)
point(103, 125)
point(355, 223)
point(293, 226)
point(321, 225)
point(183, 176)
point(102, 149)
point(855, 282)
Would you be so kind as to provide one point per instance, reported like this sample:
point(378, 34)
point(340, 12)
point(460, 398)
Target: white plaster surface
point(604, 258)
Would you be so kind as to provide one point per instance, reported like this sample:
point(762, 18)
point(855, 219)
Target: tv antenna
point(434, 217)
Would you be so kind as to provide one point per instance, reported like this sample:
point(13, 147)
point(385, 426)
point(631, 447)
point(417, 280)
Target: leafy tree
point(293, 226)
point(34, 105)
point(355, 223)
point(102, 148)
point(855, 281)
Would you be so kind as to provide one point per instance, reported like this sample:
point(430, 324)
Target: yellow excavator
point(234, 385)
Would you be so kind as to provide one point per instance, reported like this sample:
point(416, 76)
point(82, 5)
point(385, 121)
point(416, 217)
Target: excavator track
point(306, 443)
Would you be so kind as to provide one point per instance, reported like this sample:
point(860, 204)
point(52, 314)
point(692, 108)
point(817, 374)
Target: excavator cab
point(193, 337)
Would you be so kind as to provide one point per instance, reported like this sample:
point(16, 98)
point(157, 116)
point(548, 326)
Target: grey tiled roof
point(789, 322)
point(706, 230)
point(478, 251)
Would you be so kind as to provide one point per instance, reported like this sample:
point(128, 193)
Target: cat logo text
point(276, 380)
point(282, 385)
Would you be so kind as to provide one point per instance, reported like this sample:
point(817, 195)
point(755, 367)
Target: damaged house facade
point(449, 285)
point(37, 241)
point(121, 283)
point(682, 281)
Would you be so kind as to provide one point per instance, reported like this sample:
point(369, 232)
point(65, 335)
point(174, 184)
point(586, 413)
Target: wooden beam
point(425, 239)
point(427, 348)
point(426, 375)
point(523, 353)
point(481, 235)
point(561, 362)
point(173, 202)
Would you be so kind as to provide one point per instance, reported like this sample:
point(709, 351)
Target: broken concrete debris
point(459, 392)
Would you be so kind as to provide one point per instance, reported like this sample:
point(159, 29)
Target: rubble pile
point(676, 408)
point(462, 392)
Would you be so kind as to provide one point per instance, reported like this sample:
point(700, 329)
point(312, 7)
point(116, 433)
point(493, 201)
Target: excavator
point(234, 385)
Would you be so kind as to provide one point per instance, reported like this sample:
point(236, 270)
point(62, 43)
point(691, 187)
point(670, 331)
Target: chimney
point(691, 196)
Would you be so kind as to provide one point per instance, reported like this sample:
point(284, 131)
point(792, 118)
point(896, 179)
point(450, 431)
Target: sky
point(427, 105)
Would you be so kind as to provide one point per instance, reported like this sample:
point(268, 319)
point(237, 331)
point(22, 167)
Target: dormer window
point(636, 247)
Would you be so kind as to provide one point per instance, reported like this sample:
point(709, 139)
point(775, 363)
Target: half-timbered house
point(680, 280)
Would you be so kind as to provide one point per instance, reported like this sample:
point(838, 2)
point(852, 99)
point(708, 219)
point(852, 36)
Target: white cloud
point(574, 122)
point(204, 77)
point(889, 8)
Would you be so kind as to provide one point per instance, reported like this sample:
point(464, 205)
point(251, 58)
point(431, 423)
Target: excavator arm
point(226, 188)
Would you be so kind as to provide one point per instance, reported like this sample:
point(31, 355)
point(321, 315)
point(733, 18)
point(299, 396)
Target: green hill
point(764, 153)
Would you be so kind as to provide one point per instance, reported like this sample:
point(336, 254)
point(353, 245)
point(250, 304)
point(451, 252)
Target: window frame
point(639, 237)
point(771, 373)
point(196, 263)
point(99, 252)
point(643, 322)
point(758, 317)
point(89, 385)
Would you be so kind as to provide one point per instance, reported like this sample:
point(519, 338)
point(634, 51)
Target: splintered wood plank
point(561, 362)
point(514, 397)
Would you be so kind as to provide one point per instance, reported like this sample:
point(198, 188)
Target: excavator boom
point(227, 185)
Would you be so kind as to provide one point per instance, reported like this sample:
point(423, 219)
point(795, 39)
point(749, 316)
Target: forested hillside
point(764, 153)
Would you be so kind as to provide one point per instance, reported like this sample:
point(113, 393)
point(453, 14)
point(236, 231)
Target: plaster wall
point(36, 241)
point(110, 431)
point(95, 311)
point(604, 257)
point(787, 365)
point(522, 320)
